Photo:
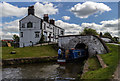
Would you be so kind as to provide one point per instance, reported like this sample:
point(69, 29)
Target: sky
point(71, 16)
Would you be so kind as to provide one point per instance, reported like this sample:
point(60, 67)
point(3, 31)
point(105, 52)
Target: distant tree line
point(90, 31)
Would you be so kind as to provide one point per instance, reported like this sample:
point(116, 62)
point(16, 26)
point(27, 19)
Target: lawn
point(111, 59)
point(40, 51)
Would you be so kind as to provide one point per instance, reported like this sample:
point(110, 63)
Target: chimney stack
point(52, 21)
point(46, 18)
point(31, 10)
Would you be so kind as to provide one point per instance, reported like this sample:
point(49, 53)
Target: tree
point(115, 39)
point(89, 31)
point(16, 38)
point(108, 35)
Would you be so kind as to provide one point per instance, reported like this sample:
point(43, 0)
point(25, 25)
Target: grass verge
point(93, 64)
point(40, 51)
point(111, 59)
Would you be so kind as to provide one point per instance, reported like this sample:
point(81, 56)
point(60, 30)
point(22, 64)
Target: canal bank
point(111, 60)
point(29, 52)
point(19, 61)
point(29, 55)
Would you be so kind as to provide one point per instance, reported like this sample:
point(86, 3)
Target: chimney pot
point(46, 18)
point(31, 10)
point(52, 21)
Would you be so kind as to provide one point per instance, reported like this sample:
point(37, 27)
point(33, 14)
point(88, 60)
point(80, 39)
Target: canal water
point(67, 71)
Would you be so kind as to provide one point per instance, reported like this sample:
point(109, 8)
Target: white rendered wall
point(29, 33)
point(51, 29)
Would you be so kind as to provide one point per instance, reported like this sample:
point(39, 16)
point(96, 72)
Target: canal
point(46, 71)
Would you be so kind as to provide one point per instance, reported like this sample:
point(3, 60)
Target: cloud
point(8, 35)
point(11, 26)
point(110, 23)
point(70, 29)
point(46, 8)
point(89, 8)
point(58, 0)
point(9, 29)
point(9, 10)
point(91, 25)
point(66, 17)
point(105, 26)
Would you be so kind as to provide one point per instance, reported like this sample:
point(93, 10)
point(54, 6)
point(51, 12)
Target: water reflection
point(46, 71)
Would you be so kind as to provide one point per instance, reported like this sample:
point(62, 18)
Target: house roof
point(28, 15)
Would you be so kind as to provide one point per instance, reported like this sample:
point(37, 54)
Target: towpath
point(117, 72)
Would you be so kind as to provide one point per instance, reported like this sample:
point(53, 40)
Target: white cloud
point(66, 17)
point(110, 26)
point(11, 26)
point(47, 8)
point(9, 10)
point(70, 29)
point(89, 8)
point(8, 35)
point(9, 29)
point(110, 23)
point(58, 0)
point(92, 25)
point(73, 29)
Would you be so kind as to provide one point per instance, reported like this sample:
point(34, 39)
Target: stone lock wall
point(95, 44)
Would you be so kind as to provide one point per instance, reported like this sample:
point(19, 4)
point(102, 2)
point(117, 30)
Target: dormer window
point(29, 25)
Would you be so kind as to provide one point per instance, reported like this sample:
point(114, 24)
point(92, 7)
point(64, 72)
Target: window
point(44, 26)
point(45, 33)
point(29, 25)
point(23, 25)
point(37, 34)
point(21, 34)
point(62, 32)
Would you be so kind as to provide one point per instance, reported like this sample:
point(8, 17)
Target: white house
point(31, 28)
